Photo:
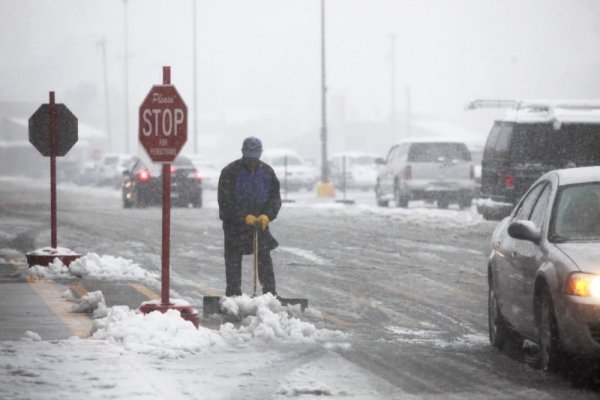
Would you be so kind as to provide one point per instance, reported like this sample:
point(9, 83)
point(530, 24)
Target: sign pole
point(166, 216)
point(53, 145)
point(162, 133)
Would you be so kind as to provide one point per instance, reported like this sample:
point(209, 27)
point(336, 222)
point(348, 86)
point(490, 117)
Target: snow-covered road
point(398, 301)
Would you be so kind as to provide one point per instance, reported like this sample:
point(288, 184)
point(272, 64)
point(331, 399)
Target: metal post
point(194, 110)
point(285, 175)
point(166, 217)
point(106, 104)
point(126, 62)
point(393, 88)
point(344, 176)
point(408, 112)
point(324, 166)
point(53, 144)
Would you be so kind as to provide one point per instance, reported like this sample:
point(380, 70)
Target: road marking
point(145, 291)
point(79, 289)
point(80, 324)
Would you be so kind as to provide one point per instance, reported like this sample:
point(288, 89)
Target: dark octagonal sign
point(163, 123)
point(66, 130)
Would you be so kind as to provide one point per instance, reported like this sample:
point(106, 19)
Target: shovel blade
point(292, 302)
point(211, 305)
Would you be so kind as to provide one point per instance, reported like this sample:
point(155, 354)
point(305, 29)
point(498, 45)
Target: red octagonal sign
point(163, 123)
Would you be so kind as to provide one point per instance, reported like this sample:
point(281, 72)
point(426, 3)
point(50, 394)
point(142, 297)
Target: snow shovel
point(211, 304)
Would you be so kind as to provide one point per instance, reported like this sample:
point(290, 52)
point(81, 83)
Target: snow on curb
point(167, 335)
point(93, 265)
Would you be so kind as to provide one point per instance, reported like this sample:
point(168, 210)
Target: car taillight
point(143, 175)
point(173, 169)
point(509, 181)
point(198, 176)
point(407, 174)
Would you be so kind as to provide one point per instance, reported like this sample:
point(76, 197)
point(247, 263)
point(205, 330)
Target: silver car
point(544, 269)
point(430, 170)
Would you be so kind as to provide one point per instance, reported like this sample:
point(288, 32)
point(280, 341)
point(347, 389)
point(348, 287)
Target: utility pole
point(126, 72)
point(408, 111)
point(102, 45)
point(324, 163)
point(194, 109)
point(393, 119)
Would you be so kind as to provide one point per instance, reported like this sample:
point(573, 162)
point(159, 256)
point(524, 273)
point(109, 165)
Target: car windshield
point(435, 152)
point(571, 145)
point(577, 213)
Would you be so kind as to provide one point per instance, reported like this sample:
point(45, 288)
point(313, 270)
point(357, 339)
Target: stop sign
point(66, 130)
point(163, 123)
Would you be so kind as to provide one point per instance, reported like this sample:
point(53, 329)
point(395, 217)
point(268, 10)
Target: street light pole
point(393, 121)
point(126, 72)
point(194, 110)
point(102, 45)
point(324, 166)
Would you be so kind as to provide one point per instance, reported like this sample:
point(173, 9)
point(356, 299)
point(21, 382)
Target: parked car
point(431, 170)
point(531, 140)
point(142, 184)
point(111, 167)
point(543, 271)
point(208, 170)
point(291, 170)
point(360, 170)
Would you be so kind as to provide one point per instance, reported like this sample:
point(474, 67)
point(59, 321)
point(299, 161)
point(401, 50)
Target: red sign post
point(162, 133)
point(52, 131)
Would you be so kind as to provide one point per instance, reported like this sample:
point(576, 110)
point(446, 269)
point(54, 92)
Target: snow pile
point(110, 267)
point(56, 269)
point(265, 318)
point(31, 336)
point(93, 265)
point(167, 335)
point(164, 335)
point(92, 302)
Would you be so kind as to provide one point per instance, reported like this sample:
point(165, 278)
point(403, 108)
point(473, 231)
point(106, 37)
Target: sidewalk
point(37, 307)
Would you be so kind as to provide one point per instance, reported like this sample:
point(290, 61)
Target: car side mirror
point(524, 230)
point(379, 161)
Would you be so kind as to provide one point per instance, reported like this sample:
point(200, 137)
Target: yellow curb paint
point(79, 289)
point(80, 324)
point(145, 291)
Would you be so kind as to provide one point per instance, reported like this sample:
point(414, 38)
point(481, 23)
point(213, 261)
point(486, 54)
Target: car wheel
point(378, 199)
point(465, 202)
point(197, 203)
point(498, 330)
point(443, 203)
point(551, 356)
point(138, 201)
point(401, 201)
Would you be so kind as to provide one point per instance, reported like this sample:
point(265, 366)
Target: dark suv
point(142, 184)
point(519, 151)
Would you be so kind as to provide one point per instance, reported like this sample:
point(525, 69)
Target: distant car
point(532, 139)
point(291, 170)
point(431, 170)
point(543, 271)
point(208, 170)
point(360, 170)
point(142, 184)
point(111, 167)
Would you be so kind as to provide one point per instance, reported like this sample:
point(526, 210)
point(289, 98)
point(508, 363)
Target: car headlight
point(582, 284)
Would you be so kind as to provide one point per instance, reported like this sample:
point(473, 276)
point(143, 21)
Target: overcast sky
point(260, 59)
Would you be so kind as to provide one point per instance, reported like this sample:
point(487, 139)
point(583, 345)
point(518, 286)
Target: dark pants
point(233, 271)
